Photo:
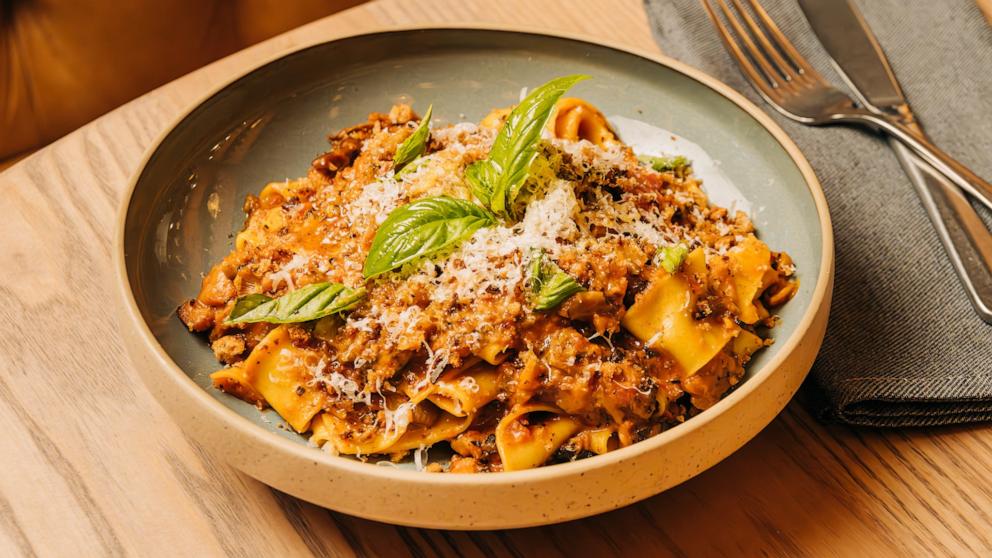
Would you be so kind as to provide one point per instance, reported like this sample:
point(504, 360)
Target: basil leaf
point(415, 145)
point(245, 304)
point(662, 164)
point(550, 285)
point(302, 305)
point(556, 290)
point(421, 228)
point(670, 258)
point(480, 177)
point(500, 176)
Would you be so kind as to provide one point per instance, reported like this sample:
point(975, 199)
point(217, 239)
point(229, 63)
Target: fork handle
point(944, 163)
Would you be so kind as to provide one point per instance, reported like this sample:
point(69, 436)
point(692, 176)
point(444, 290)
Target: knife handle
point(966, 240)
point(938, 159)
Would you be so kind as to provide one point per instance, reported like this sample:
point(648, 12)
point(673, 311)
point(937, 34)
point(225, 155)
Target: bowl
point(184, 206)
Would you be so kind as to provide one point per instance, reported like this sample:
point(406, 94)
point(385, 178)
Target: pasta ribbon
point(464, 393)
point(275, 193)
point(346, 438)
point(526, 440)
point(410, 426)
point(233, 380)
point(746, 344)
point(750, 262)
point(278, 372)
point(493, 352)
point(458, 391)
point(445, 427)
point(662, 318)
point(577, 119)
point(598, 440)
point(495, 118)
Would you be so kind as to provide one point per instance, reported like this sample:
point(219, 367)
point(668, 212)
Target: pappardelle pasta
point(525, 291)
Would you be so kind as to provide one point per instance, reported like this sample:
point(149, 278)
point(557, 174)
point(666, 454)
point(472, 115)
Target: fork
point(785, 79)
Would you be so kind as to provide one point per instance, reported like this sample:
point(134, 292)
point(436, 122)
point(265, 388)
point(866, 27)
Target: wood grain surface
point(92, 466)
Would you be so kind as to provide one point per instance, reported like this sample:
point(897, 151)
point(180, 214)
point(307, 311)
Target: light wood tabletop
point(93, 466)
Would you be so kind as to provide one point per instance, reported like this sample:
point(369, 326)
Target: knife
point(862, 63)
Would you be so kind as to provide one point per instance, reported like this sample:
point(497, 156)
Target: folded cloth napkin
point(904, 347)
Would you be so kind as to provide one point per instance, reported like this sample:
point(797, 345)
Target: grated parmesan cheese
point(468, 383)
point(344, 387)
point(420, 458)
point(397, 419)
point(437, 361)
point(284, 274)
point(377, 200)
point(456, 133)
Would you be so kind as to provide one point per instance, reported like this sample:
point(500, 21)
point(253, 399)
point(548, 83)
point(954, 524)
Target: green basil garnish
point(481, 176)
point(549, 285)
point(415, 145)
point(421, 228)
point(670, 258)
point(497, 180)
point(662, 164)
point(302, 305)
point(245, 304)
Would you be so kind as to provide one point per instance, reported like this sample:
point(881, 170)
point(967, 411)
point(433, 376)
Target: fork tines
point(773, 65)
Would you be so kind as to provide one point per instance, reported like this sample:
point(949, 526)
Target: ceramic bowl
point(184, 206)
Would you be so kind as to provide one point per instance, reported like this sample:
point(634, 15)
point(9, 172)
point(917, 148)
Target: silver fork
point(790, 84)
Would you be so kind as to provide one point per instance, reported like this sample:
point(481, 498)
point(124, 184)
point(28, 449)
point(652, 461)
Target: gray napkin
point(904, 347)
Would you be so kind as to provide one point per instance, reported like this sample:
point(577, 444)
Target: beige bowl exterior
point(499, 500)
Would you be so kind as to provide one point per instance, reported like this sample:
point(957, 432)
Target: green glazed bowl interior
point(268, 125)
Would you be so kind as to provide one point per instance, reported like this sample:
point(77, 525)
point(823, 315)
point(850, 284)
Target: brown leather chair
point(65, 62)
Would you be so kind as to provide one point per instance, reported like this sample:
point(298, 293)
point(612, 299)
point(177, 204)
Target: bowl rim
point(215, 410)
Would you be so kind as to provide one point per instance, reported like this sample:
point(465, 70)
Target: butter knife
point(860, 60)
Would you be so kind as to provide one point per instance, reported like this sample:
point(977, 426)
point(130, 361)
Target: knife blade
point(855, 51)
point(860, 60)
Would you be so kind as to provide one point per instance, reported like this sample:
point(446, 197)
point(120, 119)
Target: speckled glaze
point(185, 204)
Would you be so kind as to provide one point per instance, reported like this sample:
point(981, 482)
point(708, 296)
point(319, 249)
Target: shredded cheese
point(377, 200)
point(468, 383)
point(284, 274)
point(420, 458)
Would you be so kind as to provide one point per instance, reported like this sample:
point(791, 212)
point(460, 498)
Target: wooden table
point(93, 466)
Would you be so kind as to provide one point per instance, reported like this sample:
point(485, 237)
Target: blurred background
point(66, 62)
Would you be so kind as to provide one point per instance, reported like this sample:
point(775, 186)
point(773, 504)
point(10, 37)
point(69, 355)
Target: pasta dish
point(525, 291)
